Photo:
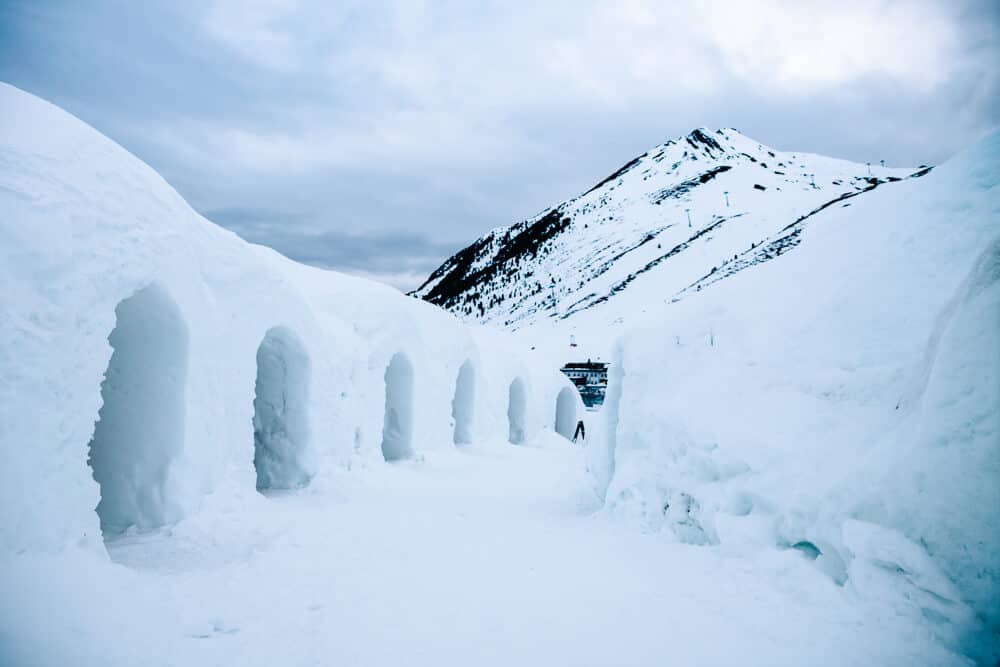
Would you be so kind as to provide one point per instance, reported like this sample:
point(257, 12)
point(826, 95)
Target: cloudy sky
point(379, 137)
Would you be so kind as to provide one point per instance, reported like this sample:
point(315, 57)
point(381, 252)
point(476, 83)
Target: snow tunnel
point(566, 413)
point(397, 429)
point(280, 417)
point(140, 426)
point(463, 404)
point(517, 405)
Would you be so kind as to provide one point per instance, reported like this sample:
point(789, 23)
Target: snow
point(222, 354)
point(842, 400)
point(474, 556)
point(140, 427)
point(516, 406)
point(397, 432)
point(463, 406)
point(280, 422)
point(681, 213)
point(566, 409)
point(796, 464)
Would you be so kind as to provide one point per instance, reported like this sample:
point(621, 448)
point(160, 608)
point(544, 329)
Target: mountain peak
point(676, 218)
point(703, 136)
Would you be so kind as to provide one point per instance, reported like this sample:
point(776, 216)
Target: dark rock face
point(456, 281)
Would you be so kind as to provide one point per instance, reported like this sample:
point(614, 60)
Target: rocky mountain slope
point(677, 218)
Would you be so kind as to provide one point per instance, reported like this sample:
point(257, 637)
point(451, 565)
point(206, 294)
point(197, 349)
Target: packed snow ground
point(486, 555)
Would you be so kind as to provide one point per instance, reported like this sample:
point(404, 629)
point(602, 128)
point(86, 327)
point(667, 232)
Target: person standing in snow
point(580, 432)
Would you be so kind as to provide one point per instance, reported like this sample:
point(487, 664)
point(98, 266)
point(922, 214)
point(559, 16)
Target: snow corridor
point(140, 429)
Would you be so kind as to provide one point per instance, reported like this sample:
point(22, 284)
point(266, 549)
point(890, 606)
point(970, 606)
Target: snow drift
point(843, 401)
point(182, 362)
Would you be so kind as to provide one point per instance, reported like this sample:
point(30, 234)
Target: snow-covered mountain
point(676, 218)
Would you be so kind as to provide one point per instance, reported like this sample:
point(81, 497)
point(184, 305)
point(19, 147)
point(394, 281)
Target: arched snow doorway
point(463, 404)
point(280, 418)
point(566, 412)
point(140, 426)
point(517, 405)
point(397, 429)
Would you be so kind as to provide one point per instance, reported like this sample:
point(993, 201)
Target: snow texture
point(397, 431)
point(566, 409)
point(463, 406)
point(140, 427)
point(517, 403)
point(843, 402)
point(280, 423)
point(198, 356)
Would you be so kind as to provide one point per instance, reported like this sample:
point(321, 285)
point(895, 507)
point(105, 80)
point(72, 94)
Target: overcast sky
point(379, 137)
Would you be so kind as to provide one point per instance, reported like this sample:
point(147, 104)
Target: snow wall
point(842, 401)
point(221, 353)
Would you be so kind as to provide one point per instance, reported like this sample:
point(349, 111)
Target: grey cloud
point(370, 253)
point(387, 138)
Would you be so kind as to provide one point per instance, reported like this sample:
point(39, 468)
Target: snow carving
point(280, 422)
point(140, 338)
point(463, 406)
point(397, 430)
point(140, 428)
point(517, 405)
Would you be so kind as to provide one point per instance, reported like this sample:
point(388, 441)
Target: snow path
point(481, 556)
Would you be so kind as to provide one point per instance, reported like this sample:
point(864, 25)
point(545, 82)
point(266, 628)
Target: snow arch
point(397, 429)
point(280, 417)
point(140, 426)
point(464, 402)
point(566, 413)
point(517, 406)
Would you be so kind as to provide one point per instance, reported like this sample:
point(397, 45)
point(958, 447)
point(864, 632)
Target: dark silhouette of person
point(580, 432)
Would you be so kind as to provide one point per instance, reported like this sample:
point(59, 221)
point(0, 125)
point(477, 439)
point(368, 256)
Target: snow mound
point(842, 401)
point(182, 363)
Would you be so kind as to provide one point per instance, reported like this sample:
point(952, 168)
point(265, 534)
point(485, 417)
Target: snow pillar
point(397, 429)
point(140, 426)
point(566, 413)
point(280, 420)
point(517, 405)
point(463, 404)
